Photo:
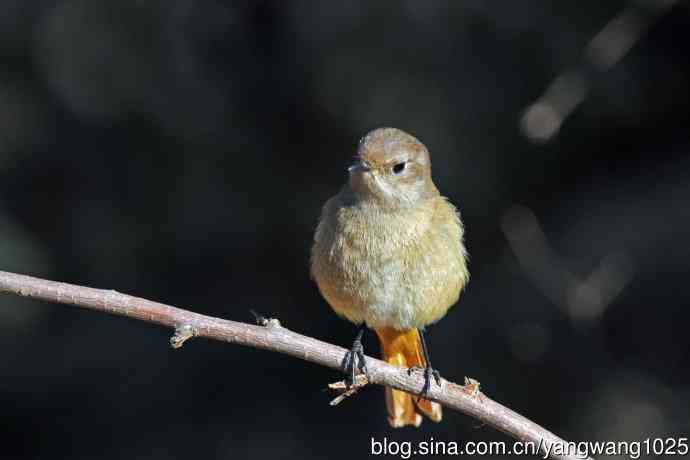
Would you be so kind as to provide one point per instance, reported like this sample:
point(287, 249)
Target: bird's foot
point(429, 372)
point(353, 360)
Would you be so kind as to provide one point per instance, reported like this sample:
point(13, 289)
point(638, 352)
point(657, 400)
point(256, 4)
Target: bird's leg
point(429, 371)
point(354, 359)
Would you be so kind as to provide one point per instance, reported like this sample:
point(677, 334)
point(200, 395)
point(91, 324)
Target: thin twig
point(274, 337)
point(583, 297)
point(542, 119)
point(346, 390)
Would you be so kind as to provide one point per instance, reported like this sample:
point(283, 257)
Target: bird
point(389, 255)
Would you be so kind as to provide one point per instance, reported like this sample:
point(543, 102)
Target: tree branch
point(273, 337)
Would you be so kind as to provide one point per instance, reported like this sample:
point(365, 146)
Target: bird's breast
point(396, 269)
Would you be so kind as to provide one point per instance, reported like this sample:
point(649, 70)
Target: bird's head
point(392, 168)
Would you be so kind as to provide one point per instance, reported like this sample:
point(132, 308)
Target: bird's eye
point(399, 167)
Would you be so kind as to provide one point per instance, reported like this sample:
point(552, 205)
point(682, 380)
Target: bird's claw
point(353, 361)
point(429, 372)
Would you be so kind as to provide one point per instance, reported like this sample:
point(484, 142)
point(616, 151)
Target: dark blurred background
point(180, 151)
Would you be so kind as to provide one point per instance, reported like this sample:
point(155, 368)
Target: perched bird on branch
point(388, 254)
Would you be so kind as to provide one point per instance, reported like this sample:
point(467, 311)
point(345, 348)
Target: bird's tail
point(404, 349)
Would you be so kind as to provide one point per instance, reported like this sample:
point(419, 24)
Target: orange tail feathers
point(404, 349)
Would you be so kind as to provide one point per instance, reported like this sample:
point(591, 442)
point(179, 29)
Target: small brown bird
point(388, 253)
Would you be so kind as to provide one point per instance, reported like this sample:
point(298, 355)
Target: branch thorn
point(183, 333)
point(263, 321)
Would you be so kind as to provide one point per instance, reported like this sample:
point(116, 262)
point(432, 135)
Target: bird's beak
point(360, 166)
